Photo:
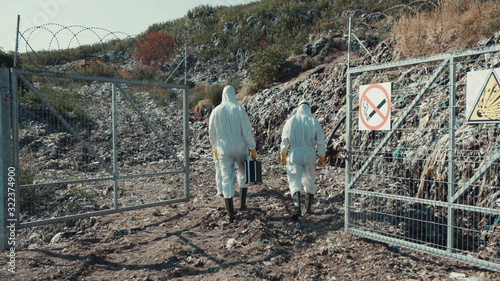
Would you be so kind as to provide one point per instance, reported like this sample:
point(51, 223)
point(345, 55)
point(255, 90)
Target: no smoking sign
point(375, 107)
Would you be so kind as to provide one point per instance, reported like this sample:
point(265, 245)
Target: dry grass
point(455, 25)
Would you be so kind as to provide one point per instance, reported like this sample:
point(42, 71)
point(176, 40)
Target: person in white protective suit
point(231, 138)
point(301, 139)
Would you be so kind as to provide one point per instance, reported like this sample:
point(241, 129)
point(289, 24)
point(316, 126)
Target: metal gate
point(431, 181)
point(86, 146)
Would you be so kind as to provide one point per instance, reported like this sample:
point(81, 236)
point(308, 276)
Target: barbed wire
point(61, 43)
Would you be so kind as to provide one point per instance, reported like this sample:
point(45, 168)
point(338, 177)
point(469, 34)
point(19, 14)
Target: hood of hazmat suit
point(229, 129)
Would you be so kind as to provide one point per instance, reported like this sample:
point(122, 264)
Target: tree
point(155, 48)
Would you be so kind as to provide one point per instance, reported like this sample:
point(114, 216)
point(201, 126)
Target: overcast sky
point(130, 17)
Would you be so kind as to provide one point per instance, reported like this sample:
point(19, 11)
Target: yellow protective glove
point(216, 155)
point(253, 153)
point(321, 161)
point(283, 158)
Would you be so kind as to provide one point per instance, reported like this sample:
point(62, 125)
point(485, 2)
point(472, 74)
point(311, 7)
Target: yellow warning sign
point(487, 105)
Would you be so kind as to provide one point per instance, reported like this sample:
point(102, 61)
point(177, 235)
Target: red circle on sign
point(384, 117)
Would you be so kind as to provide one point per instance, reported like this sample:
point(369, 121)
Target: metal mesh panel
point(90, 146)
point(144, 151)
point(431, 182)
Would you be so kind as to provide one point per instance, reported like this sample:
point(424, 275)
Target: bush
point(197, 94)
point(266, 66)
point(215, 94)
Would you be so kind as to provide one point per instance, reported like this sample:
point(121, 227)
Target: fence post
point(186, 129)
point(115, 151)
point(5, 158)
point(348, 128)
point(186, 143)
point(348, 120)
point(451, 156)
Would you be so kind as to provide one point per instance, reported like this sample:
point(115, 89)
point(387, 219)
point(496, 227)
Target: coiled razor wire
point(57, 51)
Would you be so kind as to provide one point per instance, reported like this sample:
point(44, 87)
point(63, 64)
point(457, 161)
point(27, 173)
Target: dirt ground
point(192, 241)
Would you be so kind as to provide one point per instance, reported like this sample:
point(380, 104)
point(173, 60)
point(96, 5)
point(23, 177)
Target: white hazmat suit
point(230, 135)
point(218, 178)
point(302, 134)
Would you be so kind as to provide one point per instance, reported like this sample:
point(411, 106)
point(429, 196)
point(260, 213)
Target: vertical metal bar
point(186, 130)
point(113, 118)
point(348, 162)
point(5, 158)
point(17, 41)
point(349, 44)
point(14, 88)
point(348, 121)
point(185, 65)
point(186, 144)
point(451, 155)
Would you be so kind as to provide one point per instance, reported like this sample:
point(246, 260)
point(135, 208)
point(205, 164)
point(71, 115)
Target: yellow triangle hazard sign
point(487, 106)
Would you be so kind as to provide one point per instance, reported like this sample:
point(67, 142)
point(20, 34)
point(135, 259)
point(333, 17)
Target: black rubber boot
point(243, 199)
point(296, 202)
point(229, 209)
point(309, 202)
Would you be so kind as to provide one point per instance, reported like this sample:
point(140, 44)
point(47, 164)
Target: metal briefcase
point(253, 171)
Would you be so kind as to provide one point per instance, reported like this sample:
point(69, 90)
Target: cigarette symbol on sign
point(366, 107)
point(375, 107)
